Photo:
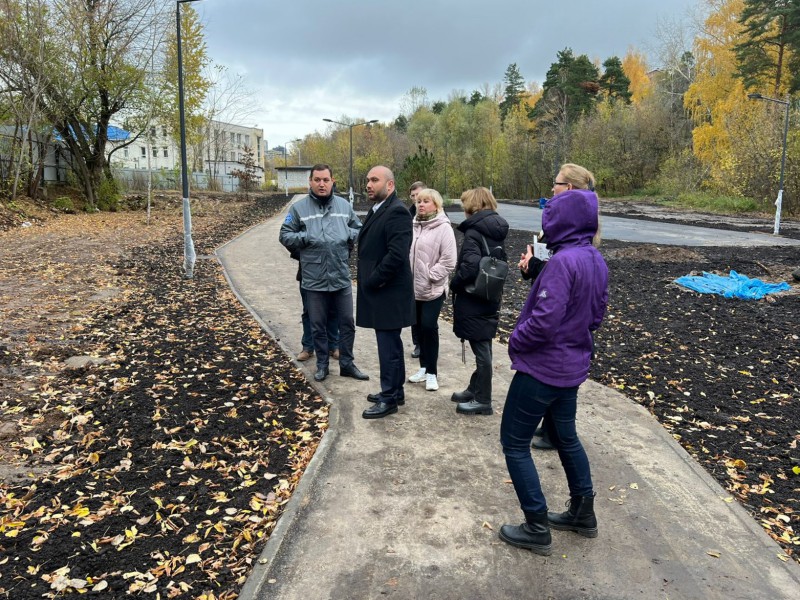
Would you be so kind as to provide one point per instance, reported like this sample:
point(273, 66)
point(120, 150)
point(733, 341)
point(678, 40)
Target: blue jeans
point(527, 402)
point(333, 326)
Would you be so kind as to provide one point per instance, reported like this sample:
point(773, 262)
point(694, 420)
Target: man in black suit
point(385, 300)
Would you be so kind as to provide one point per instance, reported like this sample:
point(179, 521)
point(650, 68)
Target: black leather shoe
point(464, 396)
point(380, 410)
point(474, 407)
point(416, 352)
point(380, 398)
point(354, 372)
point(321, 374)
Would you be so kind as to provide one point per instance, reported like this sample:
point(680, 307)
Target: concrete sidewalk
point(409, 506)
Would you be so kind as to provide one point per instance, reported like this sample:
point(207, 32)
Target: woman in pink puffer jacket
point(433, 257)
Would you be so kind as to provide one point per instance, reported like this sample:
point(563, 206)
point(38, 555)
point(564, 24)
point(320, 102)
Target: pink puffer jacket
point(433, 256)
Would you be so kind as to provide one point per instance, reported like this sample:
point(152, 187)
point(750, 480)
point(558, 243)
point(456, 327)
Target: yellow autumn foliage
point(635, 67)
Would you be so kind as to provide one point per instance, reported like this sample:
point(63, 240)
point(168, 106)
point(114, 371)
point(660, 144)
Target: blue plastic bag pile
point(733, 286)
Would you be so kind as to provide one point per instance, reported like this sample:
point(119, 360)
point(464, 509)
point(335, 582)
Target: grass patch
point(703, 202)
point(695, 201)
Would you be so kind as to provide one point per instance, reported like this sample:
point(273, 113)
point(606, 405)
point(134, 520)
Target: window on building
point(233, 154)
point(239, 138)
point(166, 151)
point(144, 151)
point(164, 131)
point(125, 152)
point(152, 132)
point(233, 138)
point(155, 152)
point(247, 140)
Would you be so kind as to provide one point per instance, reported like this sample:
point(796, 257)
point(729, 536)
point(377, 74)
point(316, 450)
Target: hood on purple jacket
point(570, 218)
point(552, 340)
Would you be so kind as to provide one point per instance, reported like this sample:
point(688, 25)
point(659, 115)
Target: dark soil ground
point(162, 465)
point(722, 375)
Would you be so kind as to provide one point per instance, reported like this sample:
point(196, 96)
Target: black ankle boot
point(541, 440)
point(533, 534)
point(579, 517)
point(464, 396)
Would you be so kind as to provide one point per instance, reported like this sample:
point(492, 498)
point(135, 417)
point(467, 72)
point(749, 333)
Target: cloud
point(314, 59)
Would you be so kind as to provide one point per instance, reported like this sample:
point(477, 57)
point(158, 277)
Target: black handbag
point(492, 273)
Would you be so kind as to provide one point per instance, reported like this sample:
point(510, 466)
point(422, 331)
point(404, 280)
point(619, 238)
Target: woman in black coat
point(475, 319)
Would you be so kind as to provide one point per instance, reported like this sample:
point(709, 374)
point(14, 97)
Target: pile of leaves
point(722, 375)
point(165, 461)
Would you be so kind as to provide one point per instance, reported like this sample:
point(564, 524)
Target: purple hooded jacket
point(553, 337)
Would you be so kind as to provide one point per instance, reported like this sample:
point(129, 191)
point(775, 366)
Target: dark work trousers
point(333, 326)
point(392, 363)
point(528, 400)
point(480, 383)
point(428, 334)
point(319, 306)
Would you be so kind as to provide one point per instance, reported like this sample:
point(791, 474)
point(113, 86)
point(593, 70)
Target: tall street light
point(351, 147)
point(779, 201)
point(285, 169)
point(446, 140)
point(189, 255)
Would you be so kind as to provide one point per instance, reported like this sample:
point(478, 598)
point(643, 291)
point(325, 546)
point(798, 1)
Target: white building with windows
point(221, 150)
point(154, 149)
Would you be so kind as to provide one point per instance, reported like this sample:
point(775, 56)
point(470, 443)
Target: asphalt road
point(528, 218)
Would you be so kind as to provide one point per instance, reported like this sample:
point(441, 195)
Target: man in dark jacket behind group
point(385, 299)
point(321, 229)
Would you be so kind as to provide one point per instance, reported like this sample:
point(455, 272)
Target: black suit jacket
point(385, 298)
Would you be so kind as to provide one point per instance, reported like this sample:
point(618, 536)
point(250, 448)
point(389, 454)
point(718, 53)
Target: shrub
point(64, 204)
point(108, 195)
point(680, 174)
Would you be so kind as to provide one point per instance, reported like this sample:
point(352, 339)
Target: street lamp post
point(445, 166)
point(189, 255)
point(285, 166)
point(779, 201)
point(350, 126)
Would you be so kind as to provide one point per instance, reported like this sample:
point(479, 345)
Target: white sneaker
point(418, 377)
point(431, 384)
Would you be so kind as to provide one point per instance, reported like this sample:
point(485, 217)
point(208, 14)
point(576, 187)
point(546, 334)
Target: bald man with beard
point(385, 297)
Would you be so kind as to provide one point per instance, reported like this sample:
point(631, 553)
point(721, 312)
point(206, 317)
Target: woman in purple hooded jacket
point(550, 350)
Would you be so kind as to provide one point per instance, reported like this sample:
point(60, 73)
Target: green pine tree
point(770, 50)
point(475, 98)
point(515, 88)
point(614, 83)
point(571, 85)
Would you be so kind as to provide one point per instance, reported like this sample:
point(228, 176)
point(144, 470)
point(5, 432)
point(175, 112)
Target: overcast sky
point(314, 59)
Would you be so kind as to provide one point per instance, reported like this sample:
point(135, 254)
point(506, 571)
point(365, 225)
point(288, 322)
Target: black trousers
point(480, 383)
point(428, 332)
point(392, 362)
